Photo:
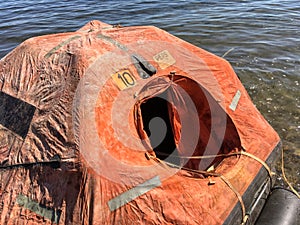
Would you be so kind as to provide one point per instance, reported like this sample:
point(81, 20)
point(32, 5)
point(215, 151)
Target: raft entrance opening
point(157, 125)
point(183, 122)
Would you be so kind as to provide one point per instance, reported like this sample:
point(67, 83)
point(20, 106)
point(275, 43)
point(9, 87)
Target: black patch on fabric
point(15, 114)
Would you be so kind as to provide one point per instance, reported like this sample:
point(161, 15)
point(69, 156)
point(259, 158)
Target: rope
point(227, 155)
point(224, 179)
point(284, 177)
point(154, 158)
point(258, 160)
point(238, 195)
point(253, 157)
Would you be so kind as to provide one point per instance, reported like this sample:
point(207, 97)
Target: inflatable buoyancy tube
point(282, 208)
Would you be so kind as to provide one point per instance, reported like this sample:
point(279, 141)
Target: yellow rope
point(238, 195)
point(255, 158)
point(224, 179)
point(231, 154)
point(284, 177)
point(258, 160)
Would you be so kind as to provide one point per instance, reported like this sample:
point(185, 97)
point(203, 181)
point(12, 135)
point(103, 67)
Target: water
point(262, 37)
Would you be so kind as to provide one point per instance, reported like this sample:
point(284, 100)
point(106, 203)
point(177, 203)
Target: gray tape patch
point(53, 50)
point(235, 100)
point(113, 41)
point(51, 214)
point(133, 193)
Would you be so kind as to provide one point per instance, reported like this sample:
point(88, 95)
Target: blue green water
point(262, 37)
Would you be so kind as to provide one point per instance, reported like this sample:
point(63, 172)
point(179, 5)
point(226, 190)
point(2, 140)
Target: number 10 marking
point(124, 79)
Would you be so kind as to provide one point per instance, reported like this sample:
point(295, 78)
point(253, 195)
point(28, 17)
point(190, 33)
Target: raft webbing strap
point(54, 162)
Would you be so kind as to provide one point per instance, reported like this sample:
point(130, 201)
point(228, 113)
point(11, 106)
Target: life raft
point(128, 125)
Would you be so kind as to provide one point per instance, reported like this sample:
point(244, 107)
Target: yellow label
point(124, 79)
point(164, 59)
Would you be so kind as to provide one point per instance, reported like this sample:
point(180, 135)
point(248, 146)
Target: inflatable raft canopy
point(128, 125)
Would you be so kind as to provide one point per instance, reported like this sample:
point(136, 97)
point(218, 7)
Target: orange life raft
point(128, 125)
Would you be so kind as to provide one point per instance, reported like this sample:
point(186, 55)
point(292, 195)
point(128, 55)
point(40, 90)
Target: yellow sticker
point(164, 59)
point(124, 79)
